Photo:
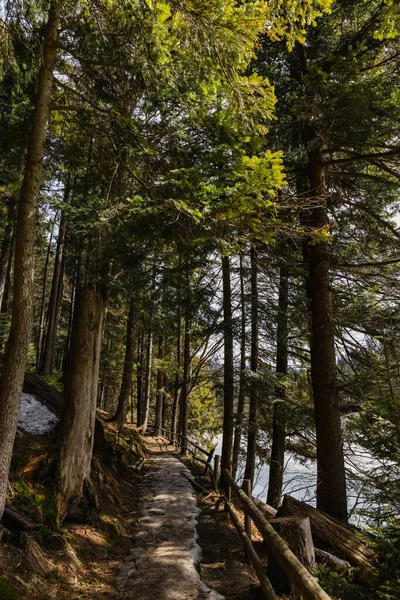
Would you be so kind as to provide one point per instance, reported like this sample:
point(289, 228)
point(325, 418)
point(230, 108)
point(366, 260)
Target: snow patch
point(35, 417)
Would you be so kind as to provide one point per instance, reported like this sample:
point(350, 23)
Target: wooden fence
point(304, 583)
point(186, 445)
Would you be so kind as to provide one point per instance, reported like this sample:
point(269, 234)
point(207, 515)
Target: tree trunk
point(147, 383)
point(126, 384)
point(80, 399)
point(6, 247)
point(227, 441)
point(164, 401)
point(70, 317)
point(330, 533)
point(253, 407)
point(139, 380)
point(12, 375)
point(159, 392)
point(47, 360)
point(184, 397)
point(174, 416)
point(242, 379)
point(331, 482)
point(279, 410)
point(39, 336)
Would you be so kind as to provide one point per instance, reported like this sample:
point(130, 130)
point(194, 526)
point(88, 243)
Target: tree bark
point(227, 441)
point(126, 384)
point(70, 317)
point(279, 411)
point(174, 416)
point(39, 336)
point(253, 406)
point(328, 532)
point(80, 399)
point(147, 383)
point(6, 247)
point(139, 380)
point(12, 375)
point(164, 401)
point(184, 397)
point(47, 360)
point(242, 379)
point(159, 392)
point(331, 482)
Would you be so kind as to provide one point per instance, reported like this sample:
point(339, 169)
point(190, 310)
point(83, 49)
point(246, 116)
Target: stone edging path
point(162, 562)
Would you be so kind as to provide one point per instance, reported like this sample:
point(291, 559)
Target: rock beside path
point(162, 563)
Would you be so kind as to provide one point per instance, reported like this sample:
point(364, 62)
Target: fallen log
point(14, 521)
point(330, 533)
point(326, 558)
point(268, 511)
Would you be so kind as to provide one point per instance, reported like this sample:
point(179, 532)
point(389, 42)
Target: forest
point(199, 230)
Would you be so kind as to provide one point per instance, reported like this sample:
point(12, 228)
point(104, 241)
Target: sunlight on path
point(162, 562)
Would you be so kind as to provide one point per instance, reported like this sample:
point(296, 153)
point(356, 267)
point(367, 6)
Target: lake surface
point(300, 479)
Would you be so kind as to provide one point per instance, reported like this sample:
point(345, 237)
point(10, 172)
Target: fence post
point(209, 459)
point(247, 518)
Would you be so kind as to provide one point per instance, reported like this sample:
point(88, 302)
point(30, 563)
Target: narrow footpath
point(163, 561)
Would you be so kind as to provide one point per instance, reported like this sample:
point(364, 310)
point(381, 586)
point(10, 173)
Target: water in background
point(300, 479)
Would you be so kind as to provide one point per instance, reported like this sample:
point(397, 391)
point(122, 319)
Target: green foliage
point(338, 586)
point(7, 590)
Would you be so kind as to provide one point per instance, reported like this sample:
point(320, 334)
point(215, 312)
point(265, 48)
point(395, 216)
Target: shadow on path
point(162, 563)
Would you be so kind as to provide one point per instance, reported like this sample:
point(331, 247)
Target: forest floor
point(77, 561)
point(140, 540)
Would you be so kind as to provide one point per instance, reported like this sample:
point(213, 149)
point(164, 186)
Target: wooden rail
point(185, 444)
point(301, 579)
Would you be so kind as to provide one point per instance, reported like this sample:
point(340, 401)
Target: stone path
point(162, 563)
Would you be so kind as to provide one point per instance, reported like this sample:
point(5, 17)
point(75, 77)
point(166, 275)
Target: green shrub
point(338, 586)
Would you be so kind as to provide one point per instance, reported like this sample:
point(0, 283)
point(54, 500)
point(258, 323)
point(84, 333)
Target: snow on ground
point(35, 417)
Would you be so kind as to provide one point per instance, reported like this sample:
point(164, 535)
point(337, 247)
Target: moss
point(7, 590)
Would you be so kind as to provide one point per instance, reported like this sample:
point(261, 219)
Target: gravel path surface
point(162, 563)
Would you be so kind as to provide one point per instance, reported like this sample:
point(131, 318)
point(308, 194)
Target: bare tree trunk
point(7, 298)
point(126, 384)
point(39, 336)
point(70, 318)
point(12, 375)
point(80, 399)
point(164, 401)
point(253, 407)
point(241, 398)
point(174, 416)
point(147, 383)
point(139, 379)
point(331, 481)
point(184, 397)
point(227, 437)
point(6, 247)
point(159, 392)
point(279, 410)
point(47, 360)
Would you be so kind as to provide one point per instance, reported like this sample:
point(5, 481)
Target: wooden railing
point(186, 445)
point(304, 583)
